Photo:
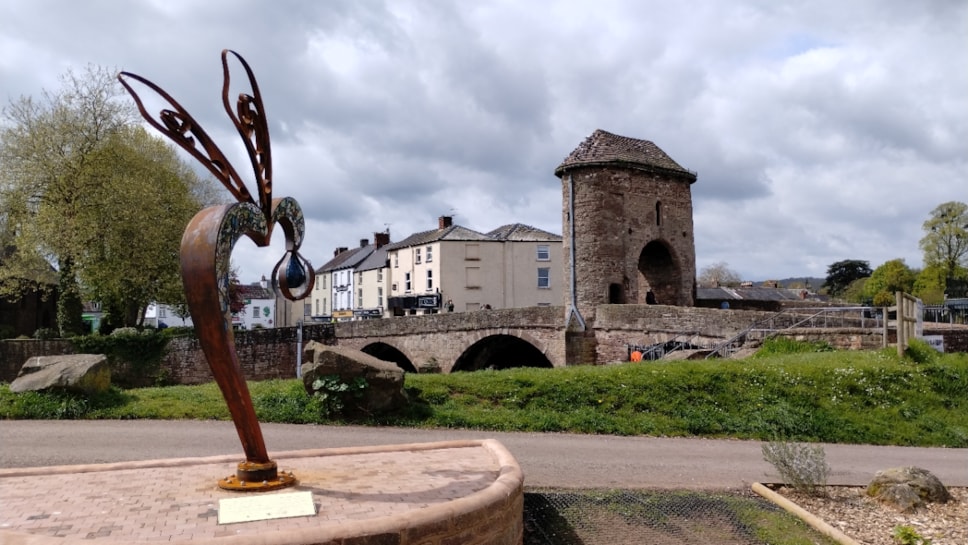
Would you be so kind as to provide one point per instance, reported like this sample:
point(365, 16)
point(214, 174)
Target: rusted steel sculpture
point(207, 245)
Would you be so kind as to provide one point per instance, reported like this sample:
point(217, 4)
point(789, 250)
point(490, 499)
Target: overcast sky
point(820, 131)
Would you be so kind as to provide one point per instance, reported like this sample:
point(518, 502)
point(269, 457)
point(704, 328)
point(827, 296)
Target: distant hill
point(796, 282)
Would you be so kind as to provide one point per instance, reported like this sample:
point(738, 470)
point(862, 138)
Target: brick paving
point(178, 500)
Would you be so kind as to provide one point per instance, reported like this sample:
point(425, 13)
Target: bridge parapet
point(512, 318)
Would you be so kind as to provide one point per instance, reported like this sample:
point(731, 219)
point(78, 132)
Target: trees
point(88, 191)
point(890, 277)
point(718, 274)
point(842, 273)
point(945, 242)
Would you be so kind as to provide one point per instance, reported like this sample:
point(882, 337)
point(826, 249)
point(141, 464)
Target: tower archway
point(660, 272)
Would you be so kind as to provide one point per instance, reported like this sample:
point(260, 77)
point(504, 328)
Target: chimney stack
point(381, 239)
point(339, 250)
point(264, 283)
point(444, 222)
point(364, 242)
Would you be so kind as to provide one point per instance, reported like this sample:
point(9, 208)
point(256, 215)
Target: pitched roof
point(522, 233)
point(454, 232)
point(605, 148)
point(340, 260)
point(255, 291)
point(376, 260)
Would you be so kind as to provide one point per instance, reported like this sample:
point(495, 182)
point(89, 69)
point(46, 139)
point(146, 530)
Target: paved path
point(548, 460)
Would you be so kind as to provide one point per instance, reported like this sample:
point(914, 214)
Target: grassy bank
point(788, 390)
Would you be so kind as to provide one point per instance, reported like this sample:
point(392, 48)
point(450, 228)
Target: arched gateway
point(627, 226)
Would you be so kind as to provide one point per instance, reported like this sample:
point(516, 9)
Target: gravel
point(868, 521)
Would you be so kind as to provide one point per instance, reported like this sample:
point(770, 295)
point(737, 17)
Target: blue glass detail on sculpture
point(295, 272)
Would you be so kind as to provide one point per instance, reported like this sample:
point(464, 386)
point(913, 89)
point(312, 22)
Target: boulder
point(83, 373)
point(907, 488)
point(384, 380)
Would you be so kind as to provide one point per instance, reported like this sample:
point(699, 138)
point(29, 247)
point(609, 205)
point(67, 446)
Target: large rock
point(907, 488)
point(384, 380)
point(84, 373)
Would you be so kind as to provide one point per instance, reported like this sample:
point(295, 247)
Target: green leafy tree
point(891, 277)
point(718, 274)
point(945, 241)
point(842, 273)
point(855, 292)
point(930, 284)
point(80, 187)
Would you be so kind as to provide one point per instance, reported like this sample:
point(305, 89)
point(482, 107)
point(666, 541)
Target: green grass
point(783, 392)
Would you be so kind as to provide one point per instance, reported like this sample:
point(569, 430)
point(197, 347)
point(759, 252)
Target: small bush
point(920, 351)
point(906, 535)
point(332, 393)
point(785, 345)
point(804, 467)
point(45, 333)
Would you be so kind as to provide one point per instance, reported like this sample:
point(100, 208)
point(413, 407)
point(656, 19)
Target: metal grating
point(585, 517)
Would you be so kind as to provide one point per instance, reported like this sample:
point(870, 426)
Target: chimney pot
point(364, 242)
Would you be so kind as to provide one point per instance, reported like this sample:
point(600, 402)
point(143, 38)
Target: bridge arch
point(500, 351)
point(388, 352)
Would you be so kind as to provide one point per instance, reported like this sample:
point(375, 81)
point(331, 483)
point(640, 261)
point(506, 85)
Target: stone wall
point(14, 353)
point(263, 354)
point(617, 326)
point(616, 215)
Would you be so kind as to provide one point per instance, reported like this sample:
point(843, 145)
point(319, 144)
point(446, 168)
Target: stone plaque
point(265, 507)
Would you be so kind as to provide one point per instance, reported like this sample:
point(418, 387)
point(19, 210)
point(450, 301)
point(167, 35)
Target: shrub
point(332, 393)
point(784, 345)
point(804, 467)
point(920, 351)
point(906, 535)
point(45, 333)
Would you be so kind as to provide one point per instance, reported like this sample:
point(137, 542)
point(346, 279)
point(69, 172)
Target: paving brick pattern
point(178, 500)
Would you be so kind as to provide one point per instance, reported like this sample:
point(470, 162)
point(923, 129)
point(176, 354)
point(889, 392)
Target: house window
point(379, 275)
point(396, 259)
point(255, 312)
point(430, 254)
point(406, 282)
point(544, 252)
point(359, 277)
point(544, 277)
point(307, 309)
point(325, 307)
point(379, 295)
point(359, 298)
point(472, 277)
point(416, 254)
point(430, 280)
point(162, 313)
point(472, 252)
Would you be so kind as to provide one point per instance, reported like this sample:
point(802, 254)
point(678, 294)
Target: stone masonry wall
point(615, 218)
point(14, 353)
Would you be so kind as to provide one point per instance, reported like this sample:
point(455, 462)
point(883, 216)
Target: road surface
point(548, 460)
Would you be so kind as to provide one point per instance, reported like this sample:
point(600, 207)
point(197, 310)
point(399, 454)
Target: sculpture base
point(256, 477)
point(468, 492)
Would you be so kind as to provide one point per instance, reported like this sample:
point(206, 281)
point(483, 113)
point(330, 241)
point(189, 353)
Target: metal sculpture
point(207, 245)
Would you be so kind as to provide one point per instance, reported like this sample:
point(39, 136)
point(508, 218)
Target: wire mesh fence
point(586, 517)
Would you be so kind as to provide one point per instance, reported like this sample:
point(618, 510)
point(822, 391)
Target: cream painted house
point(454, 267)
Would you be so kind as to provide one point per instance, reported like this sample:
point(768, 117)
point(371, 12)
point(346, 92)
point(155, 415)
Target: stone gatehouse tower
point(627, 226)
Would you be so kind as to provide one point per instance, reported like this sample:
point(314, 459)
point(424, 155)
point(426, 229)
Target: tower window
point(658, 213)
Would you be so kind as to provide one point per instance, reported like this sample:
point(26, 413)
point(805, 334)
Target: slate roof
point(341, 261)
point(605, 148)
point(454, 232)
point(249, 291)
point(753, 294)
point(376, 260)
point(520, 232)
